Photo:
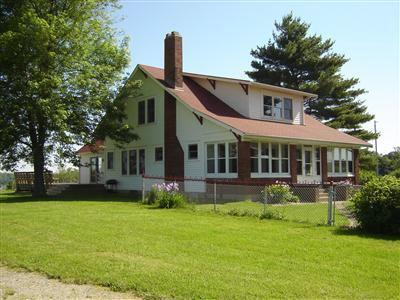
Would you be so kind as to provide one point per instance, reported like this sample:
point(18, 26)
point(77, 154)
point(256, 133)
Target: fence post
point(330, 201)
point(215, 195)
point(143, 188)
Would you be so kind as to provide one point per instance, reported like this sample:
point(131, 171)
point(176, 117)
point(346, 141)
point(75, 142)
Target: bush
point(166, 195)
point(279, 193)
point(366, 176)
point(377, 205)
point(272, 215)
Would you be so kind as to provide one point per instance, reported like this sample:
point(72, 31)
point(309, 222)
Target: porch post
point(293, 164)
point(243, 160)
point(356, 167)
point(324, 165)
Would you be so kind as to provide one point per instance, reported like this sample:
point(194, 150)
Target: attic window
point(278, 108)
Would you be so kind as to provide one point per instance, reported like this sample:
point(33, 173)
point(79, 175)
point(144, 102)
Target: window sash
point(288, 108)
point(193, 151)
point(340, 161)
point(132, 162)
point(124, 162)
point(222, 158)
point(110, 160)
point(269, 158)
point(151, 110)
point(141, 112)
point(158, 154)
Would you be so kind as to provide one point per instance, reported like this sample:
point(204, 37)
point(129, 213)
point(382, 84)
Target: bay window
point(340, 161)
point(221, 158)
point(269, 158)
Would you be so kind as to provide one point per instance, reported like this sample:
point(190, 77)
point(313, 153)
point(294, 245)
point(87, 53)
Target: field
point(193, 253)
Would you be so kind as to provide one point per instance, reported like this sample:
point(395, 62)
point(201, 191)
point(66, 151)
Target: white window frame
point(216, 174)
point(137, 161)
point(146, 100)
point(269, 174)
point(341, 159)
point(282, 115)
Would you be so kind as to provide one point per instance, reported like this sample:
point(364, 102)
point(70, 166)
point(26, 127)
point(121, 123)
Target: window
point(275, 158)
point(308, 161)
point(124, 162)
point(284, 158)
point(267, 158)
point(110, 160)
point(142, 161)
point(192, 151)
point(146, 111)
point(268, 106)
point(150, 111)
point(141, 112)
point(132, 162)
point(299, 160)
point(158, 154)
point(277, 108)
point(210, 158)
point(318, 160)
point(254, 157)
point(288, 109)
point(264, 158)
point(232, 157)
point(340, 161)
point(222, 158)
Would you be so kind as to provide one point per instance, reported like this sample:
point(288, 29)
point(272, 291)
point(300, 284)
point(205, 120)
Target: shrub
point(377, 205)
point(166, 195)
point(279, 193)
point(268, 214)
point(366, 176)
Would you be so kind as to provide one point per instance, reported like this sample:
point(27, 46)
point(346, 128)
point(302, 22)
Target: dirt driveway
point(26, 285)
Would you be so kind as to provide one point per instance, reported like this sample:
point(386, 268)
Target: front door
point(310, 165)
point(95, 167)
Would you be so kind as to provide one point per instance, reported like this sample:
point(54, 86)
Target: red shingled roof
point(92, 148)
point(207, 104)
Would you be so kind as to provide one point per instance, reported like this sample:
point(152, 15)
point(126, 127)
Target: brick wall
point(174, 155)
point(324, 165)
point(173, 72)
point(244, 160)
point(293, 164)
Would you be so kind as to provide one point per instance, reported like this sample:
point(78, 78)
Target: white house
point(203, 126)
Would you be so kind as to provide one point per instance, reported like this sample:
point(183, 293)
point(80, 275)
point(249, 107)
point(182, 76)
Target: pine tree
point(295, 59)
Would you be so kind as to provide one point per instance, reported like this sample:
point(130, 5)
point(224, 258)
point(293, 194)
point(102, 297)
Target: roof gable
point(207, 104)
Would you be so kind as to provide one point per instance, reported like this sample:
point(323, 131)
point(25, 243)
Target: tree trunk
point(39, 188)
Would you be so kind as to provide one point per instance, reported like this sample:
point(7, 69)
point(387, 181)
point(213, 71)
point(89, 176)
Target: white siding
point(151, 136)
point(256, 104)
point(190, 131)
point(231, 93)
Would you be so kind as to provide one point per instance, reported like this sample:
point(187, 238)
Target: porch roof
point(208, 105)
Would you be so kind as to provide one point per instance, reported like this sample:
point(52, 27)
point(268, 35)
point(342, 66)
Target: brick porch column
point(293, 164)
point(244, 160)
point(356, 166)
point(324, 165)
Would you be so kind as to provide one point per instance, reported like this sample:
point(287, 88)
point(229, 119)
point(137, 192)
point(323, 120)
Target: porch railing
point(24, 180)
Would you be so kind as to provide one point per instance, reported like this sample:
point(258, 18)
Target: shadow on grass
point(13, 197)
point(363, 234)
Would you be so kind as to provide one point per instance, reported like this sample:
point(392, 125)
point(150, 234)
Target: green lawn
point(315, 213)
point(189, 254)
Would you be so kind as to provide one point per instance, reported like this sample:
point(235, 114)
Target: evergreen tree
point(295, 59)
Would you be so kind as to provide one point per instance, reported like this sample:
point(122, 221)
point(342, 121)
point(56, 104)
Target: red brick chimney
point(173, 73)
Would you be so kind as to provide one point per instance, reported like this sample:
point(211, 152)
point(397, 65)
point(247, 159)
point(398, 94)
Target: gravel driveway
point(26, 285)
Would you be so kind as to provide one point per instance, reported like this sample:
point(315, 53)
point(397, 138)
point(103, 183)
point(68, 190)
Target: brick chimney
point(173, 73)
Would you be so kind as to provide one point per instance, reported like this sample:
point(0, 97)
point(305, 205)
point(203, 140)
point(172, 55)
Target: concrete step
point(71, 189)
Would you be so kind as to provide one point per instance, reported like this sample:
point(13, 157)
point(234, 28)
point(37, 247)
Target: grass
point(315, 213)
point(182, 253)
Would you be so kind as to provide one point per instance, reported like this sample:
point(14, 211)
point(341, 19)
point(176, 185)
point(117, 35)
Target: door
point(95, 167)
point(310, 162)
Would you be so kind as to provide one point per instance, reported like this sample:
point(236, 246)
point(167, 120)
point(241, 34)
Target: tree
point(295, 59)
point(390, 163)
point(61, 64)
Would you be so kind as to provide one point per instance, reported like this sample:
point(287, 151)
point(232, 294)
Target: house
point(203, 126)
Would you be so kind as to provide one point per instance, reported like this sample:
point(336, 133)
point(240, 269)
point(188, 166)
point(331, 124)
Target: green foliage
point(6, 179)
point(367, 176)
point(61, 65)
point(395, 173)
point(272, 214)
point(166, 195)
point(295, 59)
point(368, 160)
point(279, 193)
point(10, 185)
point(390, 162)
point(68, 175)
point(377, 205)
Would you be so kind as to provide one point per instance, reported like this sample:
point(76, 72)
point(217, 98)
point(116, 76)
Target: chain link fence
point(311, 203)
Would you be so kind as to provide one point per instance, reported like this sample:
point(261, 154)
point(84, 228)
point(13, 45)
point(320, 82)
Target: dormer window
point(278, 108)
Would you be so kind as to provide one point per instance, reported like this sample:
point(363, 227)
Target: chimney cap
point(173, 33)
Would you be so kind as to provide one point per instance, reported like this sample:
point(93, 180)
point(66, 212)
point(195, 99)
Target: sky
point(218, 37)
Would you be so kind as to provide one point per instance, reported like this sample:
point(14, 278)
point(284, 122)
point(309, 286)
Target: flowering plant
point(279, 193)
point(166, 195)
